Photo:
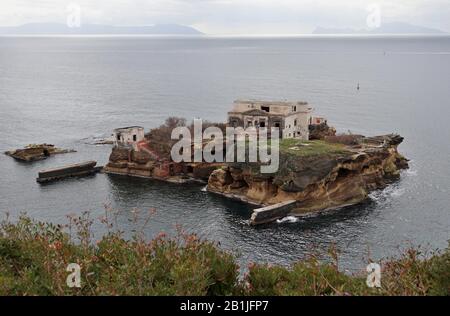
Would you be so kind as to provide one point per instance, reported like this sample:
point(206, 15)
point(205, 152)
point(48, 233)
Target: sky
point(232, 16)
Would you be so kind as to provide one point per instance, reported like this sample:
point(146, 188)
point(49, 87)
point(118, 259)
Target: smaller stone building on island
point(128, 136)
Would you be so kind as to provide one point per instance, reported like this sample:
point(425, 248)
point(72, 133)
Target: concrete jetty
point(73, 170)
point(272, 212)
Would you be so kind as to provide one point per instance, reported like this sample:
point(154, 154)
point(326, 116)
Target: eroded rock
point(317, 181)
point(141, 162)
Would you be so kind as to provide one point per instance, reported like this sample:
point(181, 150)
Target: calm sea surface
point(67, 91)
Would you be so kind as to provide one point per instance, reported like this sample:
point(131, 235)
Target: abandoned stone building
point(128, 136)
point(292, 118)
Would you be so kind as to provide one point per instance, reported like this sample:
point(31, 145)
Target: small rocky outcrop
point(119, 154)
point(318, 175)
point(321, 131)
point(35, 152)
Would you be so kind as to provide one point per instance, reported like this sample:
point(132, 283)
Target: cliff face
point(129, 162)
point(126, 161)
point(318, 175)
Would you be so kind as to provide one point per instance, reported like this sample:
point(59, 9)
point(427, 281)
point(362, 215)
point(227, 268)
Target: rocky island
point(318, 170)
point(316, 175)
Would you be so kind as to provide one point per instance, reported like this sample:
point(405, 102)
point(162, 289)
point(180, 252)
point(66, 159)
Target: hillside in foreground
point(34, 257)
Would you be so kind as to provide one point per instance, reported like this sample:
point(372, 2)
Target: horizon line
point(285, 35)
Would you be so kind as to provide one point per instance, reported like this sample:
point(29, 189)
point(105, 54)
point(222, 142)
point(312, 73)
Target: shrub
point(410, 275)
point(307, 278)
point(34, 257)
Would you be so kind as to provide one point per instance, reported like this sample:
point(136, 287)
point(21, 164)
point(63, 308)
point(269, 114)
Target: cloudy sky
point(232, 16)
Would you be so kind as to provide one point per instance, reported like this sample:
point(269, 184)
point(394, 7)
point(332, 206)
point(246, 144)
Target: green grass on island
point(311, 148)
point(34, 257)
point(302, 148)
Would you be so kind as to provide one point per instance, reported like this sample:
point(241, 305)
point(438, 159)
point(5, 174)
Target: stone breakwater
point(318, 175)
point(35, 152)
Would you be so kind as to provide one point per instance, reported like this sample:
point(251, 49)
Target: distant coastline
point(394, 28)
point(97, 29)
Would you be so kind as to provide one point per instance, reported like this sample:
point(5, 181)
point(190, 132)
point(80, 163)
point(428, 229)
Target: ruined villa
point(292, 118)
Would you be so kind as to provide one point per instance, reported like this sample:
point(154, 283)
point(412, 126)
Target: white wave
point(204, 189)
point(288, 219)
point(411, 172)
point(387, 193)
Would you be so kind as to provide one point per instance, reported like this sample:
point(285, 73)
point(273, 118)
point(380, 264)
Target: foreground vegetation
point(34, 257)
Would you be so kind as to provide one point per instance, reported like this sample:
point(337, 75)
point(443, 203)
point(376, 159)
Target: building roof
point(277, 103)
point(301, 106)
point(122, 129)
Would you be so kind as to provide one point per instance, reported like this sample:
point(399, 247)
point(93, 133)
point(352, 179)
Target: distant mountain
point(97, 29)
point(385, 28)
